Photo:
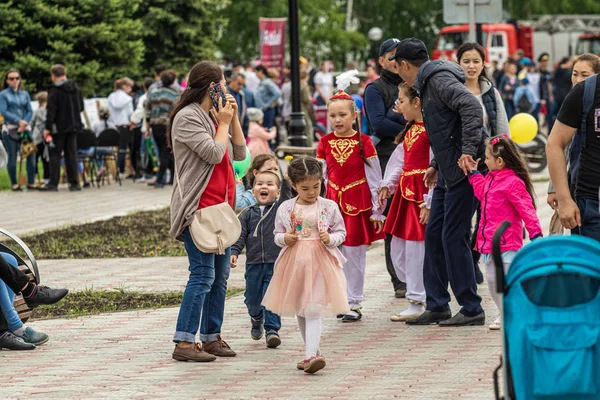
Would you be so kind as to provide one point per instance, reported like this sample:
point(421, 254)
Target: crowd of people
point(410, 159)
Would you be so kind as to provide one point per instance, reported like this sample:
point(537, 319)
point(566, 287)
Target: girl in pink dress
point(308, 281)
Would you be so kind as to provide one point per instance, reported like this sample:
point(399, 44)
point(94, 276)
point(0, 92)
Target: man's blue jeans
point(7, 298)
point(204, 294)
point(258, 277)
point(590, 219)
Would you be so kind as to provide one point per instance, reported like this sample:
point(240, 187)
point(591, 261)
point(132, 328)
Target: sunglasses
point(13, 78)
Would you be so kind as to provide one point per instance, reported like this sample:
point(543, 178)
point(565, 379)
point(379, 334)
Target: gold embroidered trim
point(348, 186)
point(414, 172)
point(342, 149)
point(350, 208)
point(413, 135)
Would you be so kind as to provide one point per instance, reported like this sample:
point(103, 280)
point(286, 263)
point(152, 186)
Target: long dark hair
point(200, 77)
point(503, 146)
point(353, 108)
point(11, 71)
point(472, 46)
point(412, 95)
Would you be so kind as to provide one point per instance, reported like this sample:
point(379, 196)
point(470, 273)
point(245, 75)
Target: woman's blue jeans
point(203, 303)
point(12, 149)
point(7, 298)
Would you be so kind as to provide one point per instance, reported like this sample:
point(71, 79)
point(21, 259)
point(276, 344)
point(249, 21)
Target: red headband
point(341, 95)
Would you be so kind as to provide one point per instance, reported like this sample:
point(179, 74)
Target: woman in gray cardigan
point(203, 151)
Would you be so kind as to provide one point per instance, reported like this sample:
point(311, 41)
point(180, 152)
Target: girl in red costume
point(409, 211)
point(353, 175)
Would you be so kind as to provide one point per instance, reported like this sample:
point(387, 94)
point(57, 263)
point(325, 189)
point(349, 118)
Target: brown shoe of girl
point(314, 364)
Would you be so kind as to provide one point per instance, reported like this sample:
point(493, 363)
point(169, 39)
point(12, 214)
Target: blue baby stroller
point(550, 319)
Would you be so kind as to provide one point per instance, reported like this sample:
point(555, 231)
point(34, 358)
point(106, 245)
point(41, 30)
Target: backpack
point(579, 140)
point(524, 104)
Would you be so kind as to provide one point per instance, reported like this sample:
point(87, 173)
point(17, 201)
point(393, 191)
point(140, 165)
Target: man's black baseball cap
point(388, 45)
point(411, 49)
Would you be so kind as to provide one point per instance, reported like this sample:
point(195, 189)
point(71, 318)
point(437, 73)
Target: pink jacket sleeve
point(521, 200)
point(478, 182)
point(337, 229)
point(257, 131)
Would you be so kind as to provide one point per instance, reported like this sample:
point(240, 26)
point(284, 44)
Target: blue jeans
point(12, 149)
point(7, 298)
point(258, 277)
point(204, 294)
point(448, 258)
point(269, 118)
point(590, 219)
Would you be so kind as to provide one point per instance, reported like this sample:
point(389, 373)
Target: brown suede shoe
point(192, 353)
point(300, 365)
point(218, 348)
point(314, 364)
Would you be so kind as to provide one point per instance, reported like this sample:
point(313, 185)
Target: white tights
point(310, 328)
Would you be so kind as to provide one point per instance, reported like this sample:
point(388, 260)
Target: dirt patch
point(140, 234)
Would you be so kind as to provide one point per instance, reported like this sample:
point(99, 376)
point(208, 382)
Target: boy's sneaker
point(257, 328)
point(44, 295)
point(273, 339)
point(34, 337)
point(10, 341)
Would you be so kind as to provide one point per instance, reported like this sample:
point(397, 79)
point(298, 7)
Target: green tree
point(97, 40)
point(322, 29)
point(399, 19)
point(179, 32)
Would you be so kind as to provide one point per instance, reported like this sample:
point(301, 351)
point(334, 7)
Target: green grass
point(91, 302)
point(140, 234)
point(4, 179)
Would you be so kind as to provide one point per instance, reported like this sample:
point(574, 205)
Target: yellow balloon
point(523, 128)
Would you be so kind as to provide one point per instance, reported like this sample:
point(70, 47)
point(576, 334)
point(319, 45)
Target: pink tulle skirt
point(307, 281)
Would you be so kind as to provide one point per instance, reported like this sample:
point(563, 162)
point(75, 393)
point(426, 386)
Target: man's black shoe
point(75, 188)
point(430, 317)
point(48, 188)
point(45, 295)
point(462, 320)
point(13, 342)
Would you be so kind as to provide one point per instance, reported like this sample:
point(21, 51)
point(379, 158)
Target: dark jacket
point(260, 249)
point(65, 104)
point(452, 115)
point(380, 96)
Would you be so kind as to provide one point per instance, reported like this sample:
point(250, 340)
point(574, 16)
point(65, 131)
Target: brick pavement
point(127, 355)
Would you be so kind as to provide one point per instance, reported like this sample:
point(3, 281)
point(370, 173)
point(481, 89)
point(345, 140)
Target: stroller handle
point(497, 255)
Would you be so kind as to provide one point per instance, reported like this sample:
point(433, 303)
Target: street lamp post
point(297, 130)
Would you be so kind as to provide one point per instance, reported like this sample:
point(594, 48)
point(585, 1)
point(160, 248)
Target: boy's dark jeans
point(590, 219)
point(258, 277)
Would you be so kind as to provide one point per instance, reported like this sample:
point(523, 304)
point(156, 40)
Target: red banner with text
point(272, 44)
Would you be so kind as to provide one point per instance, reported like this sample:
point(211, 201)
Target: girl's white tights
point(310, 328)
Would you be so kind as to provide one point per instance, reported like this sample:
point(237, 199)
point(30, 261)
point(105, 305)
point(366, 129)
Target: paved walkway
point(27, 212)
point(128, 355)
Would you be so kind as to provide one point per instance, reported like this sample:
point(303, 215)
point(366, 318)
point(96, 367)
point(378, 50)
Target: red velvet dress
point(347, 184)
point(403, 217)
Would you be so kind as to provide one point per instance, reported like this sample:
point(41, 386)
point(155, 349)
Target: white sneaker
point(143, 179)
point(495, 326)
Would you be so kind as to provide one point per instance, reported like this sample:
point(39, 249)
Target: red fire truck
point(503, 39)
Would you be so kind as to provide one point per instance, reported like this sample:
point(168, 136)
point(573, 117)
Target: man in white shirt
point(252, 80)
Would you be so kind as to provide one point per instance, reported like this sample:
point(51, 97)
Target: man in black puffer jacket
point(453, 120)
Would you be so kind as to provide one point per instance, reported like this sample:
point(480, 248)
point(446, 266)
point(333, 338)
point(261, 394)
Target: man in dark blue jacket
point(453, 120)
point(384, 125)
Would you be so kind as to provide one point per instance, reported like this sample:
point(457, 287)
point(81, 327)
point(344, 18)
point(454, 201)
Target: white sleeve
point(427, 197)
point(373, 174)
point(394, 169)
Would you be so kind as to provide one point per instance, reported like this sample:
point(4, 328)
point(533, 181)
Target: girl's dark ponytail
point(360, 143)
point(400, 138)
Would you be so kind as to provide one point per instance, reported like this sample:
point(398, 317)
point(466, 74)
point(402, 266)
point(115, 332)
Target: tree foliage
point(96, 39)
point(179, 32)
